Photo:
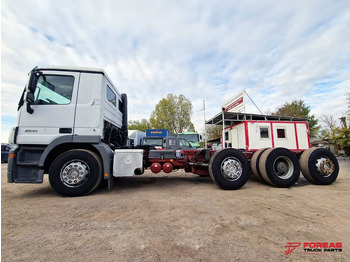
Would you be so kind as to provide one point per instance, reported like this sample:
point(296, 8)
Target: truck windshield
point(184, 143)
point(153, 141)
point(54, 89)
point(190, 137)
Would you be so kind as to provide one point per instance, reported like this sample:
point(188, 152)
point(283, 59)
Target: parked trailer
point(158, 133)
point(135, 137)
point(86, 141)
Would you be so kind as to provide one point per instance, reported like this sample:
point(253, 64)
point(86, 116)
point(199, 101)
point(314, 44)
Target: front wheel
point(229, 169)
point(75, 173)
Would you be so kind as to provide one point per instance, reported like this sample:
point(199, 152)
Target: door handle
point(65, 130)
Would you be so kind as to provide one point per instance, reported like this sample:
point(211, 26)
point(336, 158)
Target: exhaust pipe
point(138, 171)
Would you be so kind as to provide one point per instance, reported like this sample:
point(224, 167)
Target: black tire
point(254, 164)
point(319, 166)
point(75, 173)
point(229, 169)
point(279, 167)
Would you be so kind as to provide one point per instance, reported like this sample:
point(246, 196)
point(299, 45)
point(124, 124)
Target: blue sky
point(277, 51)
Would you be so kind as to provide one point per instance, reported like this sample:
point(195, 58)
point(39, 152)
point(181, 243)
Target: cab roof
point(71, 69)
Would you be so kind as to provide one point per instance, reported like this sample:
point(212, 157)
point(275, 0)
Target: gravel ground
point(175, 217)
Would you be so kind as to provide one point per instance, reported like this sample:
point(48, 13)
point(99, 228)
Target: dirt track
point(175, 217)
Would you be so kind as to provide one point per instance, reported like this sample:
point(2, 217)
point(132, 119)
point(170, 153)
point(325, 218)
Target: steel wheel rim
point(74, 173)
point(231, 169)
point(283, 167)
point(324, 166)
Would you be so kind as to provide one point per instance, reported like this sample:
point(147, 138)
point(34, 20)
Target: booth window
point(281, 133)
point(264, 132)
point(226, 135)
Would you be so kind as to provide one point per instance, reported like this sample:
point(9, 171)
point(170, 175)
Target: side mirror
point(29, 98)
point(33, 79)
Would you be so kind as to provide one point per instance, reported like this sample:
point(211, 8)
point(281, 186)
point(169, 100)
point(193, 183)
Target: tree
point(329, 133)
point(337, 135)
point(329, 120)
point(213, 132)
point(299, 109)
point(139, 125)
point(173, 113)
point(347, 97)
point(342, 135)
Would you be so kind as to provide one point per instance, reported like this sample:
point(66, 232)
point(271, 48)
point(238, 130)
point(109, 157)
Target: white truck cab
point(66, 109)
point(67, 101)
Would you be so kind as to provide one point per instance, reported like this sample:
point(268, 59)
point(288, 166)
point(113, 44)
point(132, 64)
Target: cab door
point(54, 106)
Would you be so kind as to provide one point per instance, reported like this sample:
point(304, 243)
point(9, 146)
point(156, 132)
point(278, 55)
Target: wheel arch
point(61, 145)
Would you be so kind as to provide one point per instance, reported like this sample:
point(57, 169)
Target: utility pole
point(205, 127)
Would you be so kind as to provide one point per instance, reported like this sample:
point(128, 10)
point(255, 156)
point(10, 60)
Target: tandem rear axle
point(230, 168)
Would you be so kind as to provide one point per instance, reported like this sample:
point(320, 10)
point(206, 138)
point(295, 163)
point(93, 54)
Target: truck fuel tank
point(127, 162)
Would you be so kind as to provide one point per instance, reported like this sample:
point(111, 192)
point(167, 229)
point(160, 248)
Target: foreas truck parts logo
point(314, 247)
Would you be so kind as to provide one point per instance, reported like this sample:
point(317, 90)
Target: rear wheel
point(254, 164)
point(75, 173)
point(229, 169)
point(279, 167)
point(319, 166)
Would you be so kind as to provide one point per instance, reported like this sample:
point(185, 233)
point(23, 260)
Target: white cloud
point(278, 51)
